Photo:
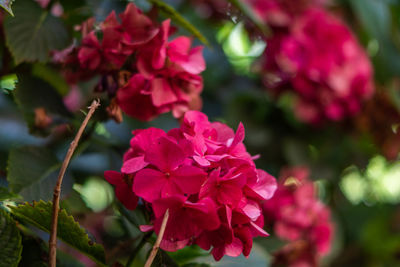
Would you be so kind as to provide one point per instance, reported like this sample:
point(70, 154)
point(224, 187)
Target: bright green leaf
point(33, 33)
point(170, 12)
point(10, 241)
point(6, 4)
point(8, 82)
point(39, 215)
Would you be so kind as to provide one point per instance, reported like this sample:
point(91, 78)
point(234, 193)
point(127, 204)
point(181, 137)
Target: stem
point(57, 189)
point(156, 246)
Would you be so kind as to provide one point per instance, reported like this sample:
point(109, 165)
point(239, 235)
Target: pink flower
point(170, 176)
point(298, 215)
point(138, 29)
point(280, 13)
point(171, 76)
point(202, 173)
point(324, 65)
point(123, 188)
point(188, 219)
point(148, 74)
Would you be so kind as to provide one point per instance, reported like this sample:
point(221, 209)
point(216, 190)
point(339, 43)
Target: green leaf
point(32, 173)
point(39, 215)
point(32, 93)
point(10, 241)
point(248, 12)
point(163, 259)
point(5, 194)
point(35, 254)
point(8, 82)
point(6, 4)
point(170, 12)
point(52, 77)
point(187, 254)
point(33, 33)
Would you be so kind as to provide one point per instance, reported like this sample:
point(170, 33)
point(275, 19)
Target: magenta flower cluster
point(314, 55)
point(202, 173)
point(146, 72)
point(299, 216)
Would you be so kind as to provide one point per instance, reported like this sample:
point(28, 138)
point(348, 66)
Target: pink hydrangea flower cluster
point(299, 217)
point(314, 55)
point(202, 173)
point(323, 64)
point(148, 73)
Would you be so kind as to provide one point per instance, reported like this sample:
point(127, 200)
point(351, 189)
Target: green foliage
point(32, 172)
point(8, 82)
point(170, 12)
point(377, 21)
point(26, 97)
point(187, 254)
point(163, 259)
point(39, 214)
point(35, 254)
point(31, 36)
point(10, 241)
point(5, 194)
point(6, 4)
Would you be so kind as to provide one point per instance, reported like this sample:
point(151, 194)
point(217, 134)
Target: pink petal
point(257, 230)
point(133, 165)
point(125, 194)
point(189, 179)
point(113, 177)
point(148, 184)
point(162, 93)
point(264, 187)
point(235, 248)
point(201, 161)
point(165, 154)
point(146, 228)
point(143, 139)
point(239, 136)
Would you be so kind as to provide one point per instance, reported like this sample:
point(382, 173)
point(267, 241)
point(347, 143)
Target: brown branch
point(57, 189)
point(156, 246)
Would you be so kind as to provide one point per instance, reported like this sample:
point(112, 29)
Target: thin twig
point(156, 246)
point(57, 189)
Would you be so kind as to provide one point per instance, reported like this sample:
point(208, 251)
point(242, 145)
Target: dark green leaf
point(33, 32)
point(52, 77)
point(32, 173)
point(10, 241)
point(39, 214)
point(246, 10)
point(5, 194)
point(162, 259)
point(6, 4)
point(32, 93)
point(170, 12)
point(35, 254)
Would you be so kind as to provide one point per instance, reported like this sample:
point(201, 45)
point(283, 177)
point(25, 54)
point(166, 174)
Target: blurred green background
point(352, 162)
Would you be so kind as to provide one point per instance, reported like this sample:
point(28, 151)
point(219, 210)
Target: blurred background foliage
point(354, 164)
